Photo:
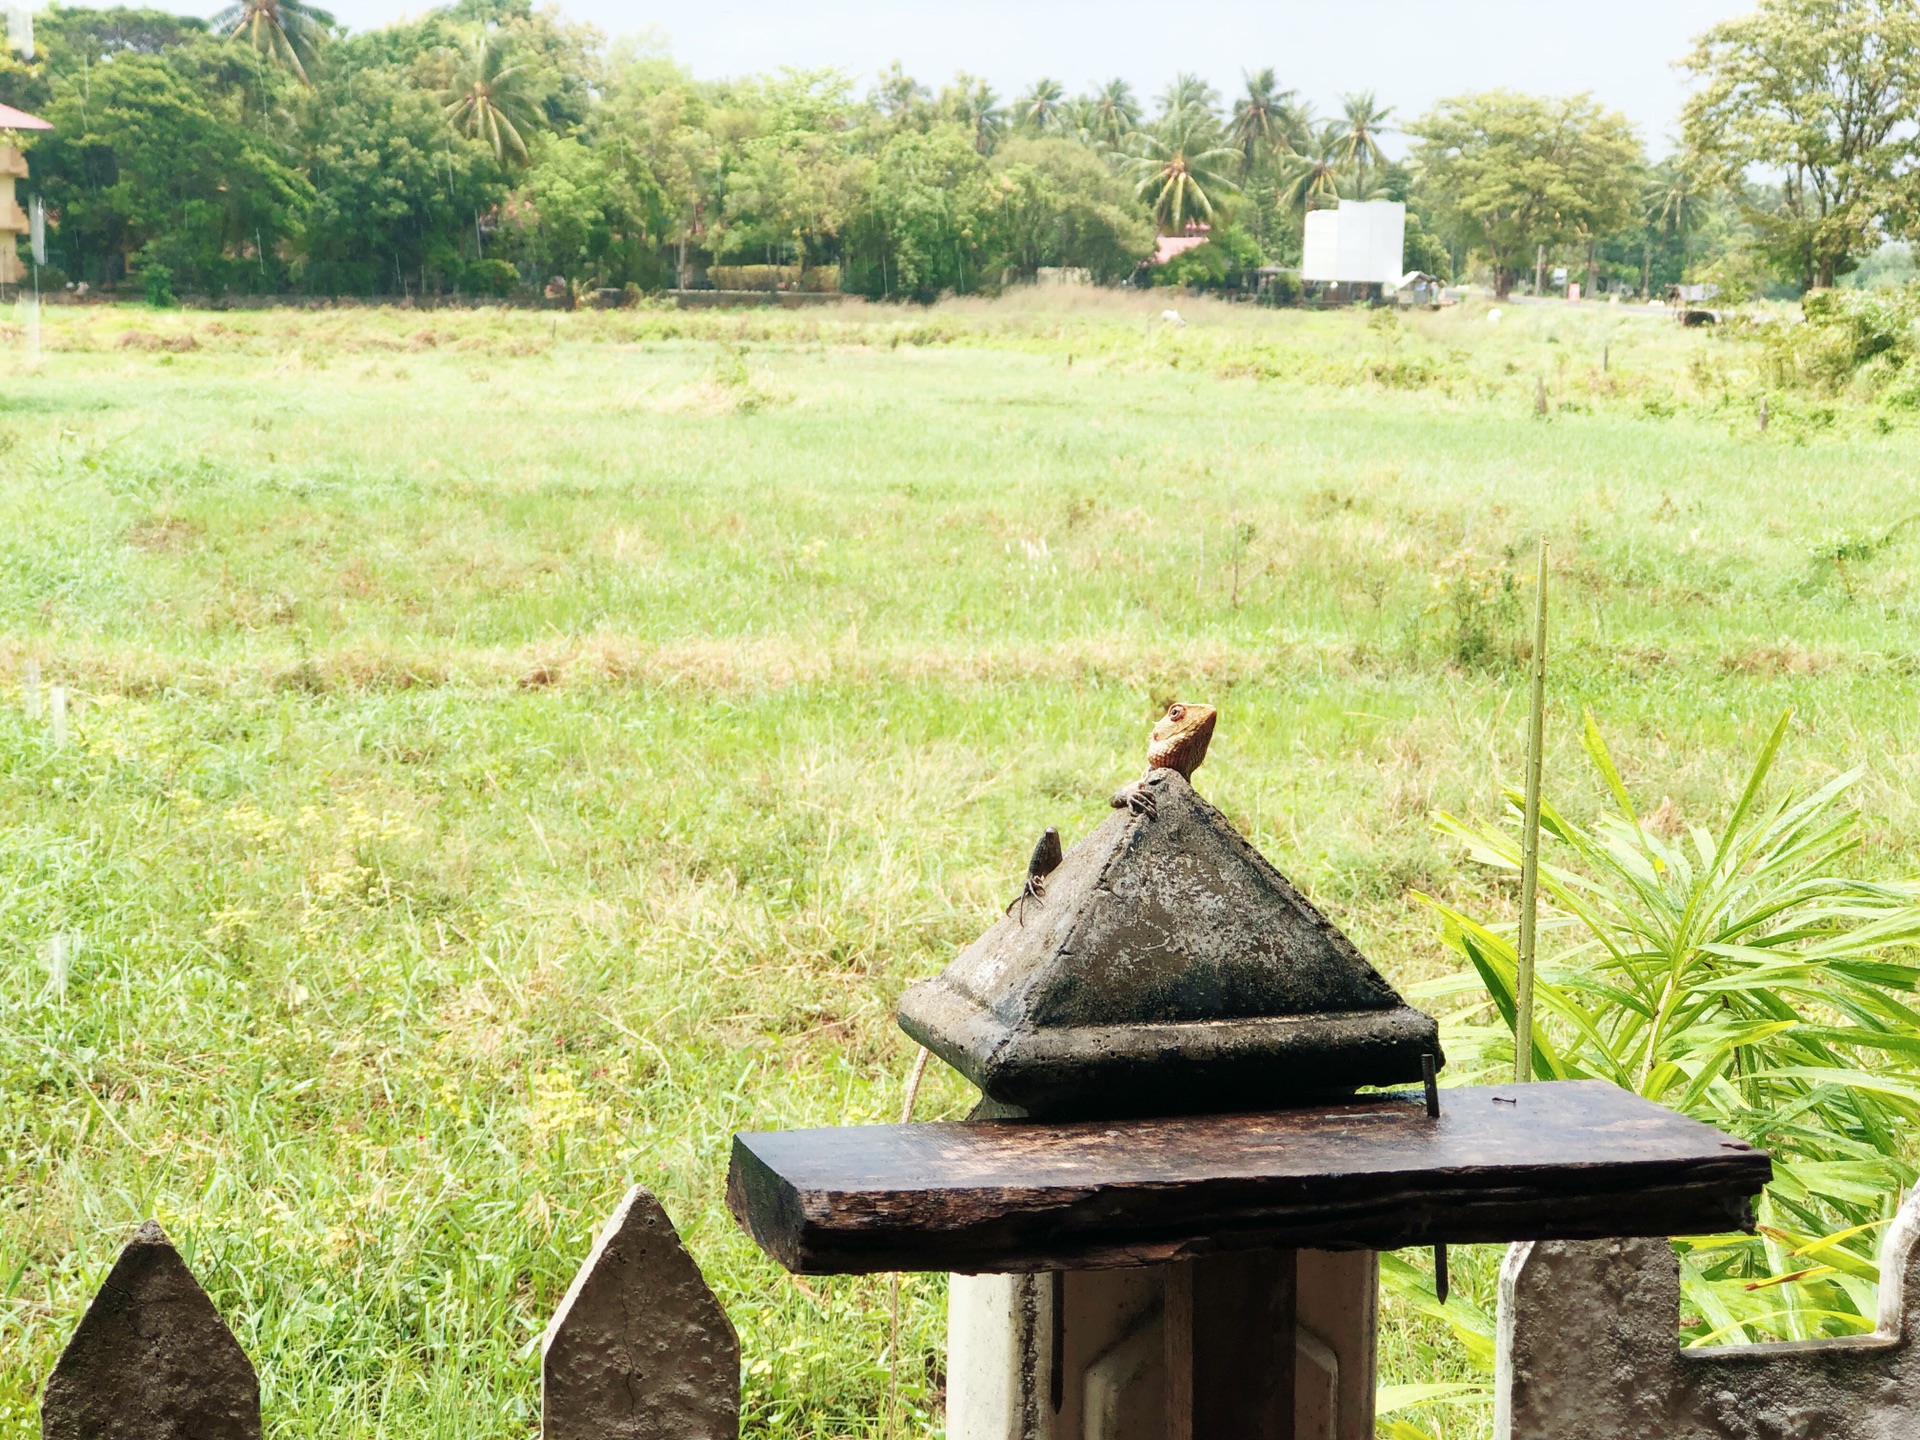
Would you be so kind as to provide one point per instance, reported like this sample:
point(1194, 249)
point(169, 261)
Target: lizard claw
point(1035, 889)
point(1135, 797)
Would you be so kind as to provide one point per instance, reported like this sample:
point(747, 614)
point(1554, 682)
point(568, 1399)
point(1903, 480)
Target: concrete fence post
point(1588, 1347)
point(151, 1359)
point(640, 1349)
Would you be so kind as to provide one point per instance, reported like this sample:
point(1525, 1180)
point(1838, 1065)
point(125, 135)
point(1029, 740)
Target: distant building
point(1417, 287)
point(13, 166)
point(1360, 247)
point(1168, 246)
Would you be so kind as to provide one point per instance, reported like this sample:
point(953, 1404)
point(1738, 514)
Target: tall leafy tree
point(1823, 93)
point(897, 94)
point(489, 98)
point(661, 128)
point(1184, 169)
point(1061, 204)
point(287, 32)
point(1510, 172)
point(147, 168)
point(796, 185)
point(397, 191)
point(1260, 130)
point(971, 103)
point(930, 223)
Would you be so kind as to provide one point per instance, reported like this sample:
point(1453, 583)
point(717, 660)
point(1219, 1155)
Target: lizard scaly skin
point(1179, 743)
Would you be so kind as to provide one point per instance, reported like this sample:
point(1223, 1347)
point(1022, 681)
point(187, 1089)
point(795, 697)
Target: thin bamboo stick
point(1530, 837)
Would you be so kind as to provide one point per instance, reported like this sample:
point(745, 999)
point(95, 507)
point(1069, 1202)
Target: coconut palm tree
point(1182, 167)
point(487, 98)
point(1190, 93)
point(971, 101)
point(1313, 178)
point(1260, 121)
point(1671, 200)
point(1670, 205)
point(288, 32)
point(1043, 108)
point(1362, 123)
point(1114, 112)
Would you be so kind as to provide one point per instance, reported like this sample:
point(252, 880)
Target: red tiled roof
point(12, 119)
point(1169, 246)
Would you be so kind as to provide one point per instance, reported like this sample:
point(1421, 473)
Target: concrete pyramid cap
point(1168, 969)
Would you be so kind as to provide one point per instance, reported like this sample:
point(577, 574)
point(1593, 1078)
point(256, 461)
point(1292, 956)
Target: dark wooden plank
point(1565, 1161)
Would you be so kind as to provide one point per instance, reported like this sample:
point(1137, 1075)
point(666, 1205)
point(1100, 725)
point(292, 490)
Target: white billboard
point(1363, 242)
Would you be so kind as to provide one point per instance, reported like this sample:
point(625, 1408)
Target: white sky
point(1409, 52)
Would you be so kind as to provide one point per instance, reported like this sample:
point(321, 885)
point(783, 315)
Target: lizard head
point(1179, 741)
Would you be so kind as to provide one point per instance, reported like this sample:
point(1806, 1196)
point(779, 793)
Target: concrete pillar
point(1167, 1352)
point(1336, 1332)
point(997, 1356)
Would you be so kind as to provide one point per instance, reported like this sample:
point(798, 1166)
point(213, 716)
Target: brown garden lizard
point(1046, 859)
point(1179, 743)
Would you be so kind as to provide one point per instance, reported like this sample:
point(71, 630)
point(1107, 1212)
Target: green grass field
point(511, 752)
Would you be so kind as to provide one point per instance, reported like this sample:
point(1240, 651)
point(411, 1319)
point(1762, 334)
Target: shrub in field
point(1847, 333)
point(1481, 605)
point(157, 281)
point(1743, 977)
point(822, 278)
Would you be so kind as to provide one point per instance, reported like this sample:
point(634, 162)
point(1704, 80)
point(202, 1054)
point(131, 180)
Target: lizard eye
point(1174, 712)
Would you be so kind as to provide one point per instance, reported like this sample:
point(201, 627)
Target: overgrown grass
point(512, 752)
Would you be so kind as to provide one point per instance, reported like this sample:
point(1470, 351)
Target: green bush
point(156, 280)
point(1847, 334)
point(1282, 289)
point(818, 279)
point(1228, 255)
point(1745, 978)
point(490, 277)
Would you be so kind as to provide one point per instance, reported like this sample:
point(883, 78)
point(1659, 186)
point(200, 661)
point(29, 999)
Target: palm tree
point(1297, 122)
point(289, 32)
point(1043, 108)
point(487, 99)
point(1672, 197)
point(1314, 177)
point(1115, 113)
point(1181, 161)
point(1362, 123)
point(1189, 92)
point(971, 102)
point(1259, 127)
point(1670, 204)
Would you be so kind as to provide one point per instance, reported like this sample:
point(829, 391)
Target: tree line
point(484, 147)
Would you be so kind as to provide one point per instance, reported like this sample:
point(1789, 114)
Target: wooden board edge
point(766, 1207)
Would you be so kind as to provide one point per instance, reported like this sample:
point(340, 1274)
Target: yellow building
point(13, 216)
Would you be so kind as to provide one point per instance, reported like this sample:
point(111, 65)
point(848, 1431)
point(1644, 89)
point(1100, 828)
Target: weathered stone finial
point(1167, 967)
point(151, 1359)
point(640, 1349)
point(1587, 1348)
